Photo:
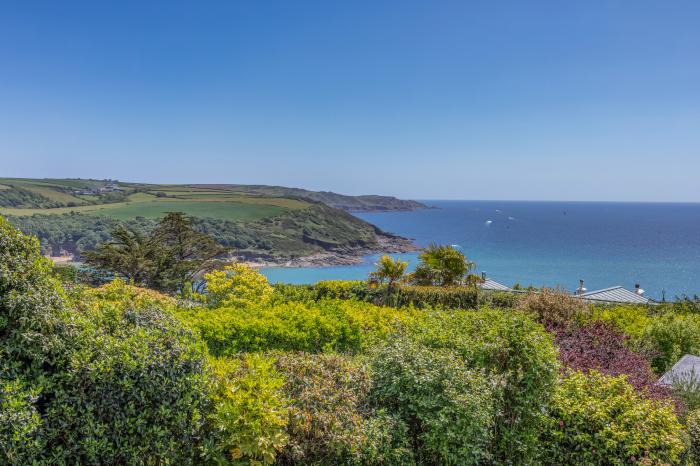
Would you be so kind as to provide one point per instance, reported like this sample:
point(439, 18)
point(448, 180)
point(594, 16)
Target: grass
point(197, 202)
point(149, 206)
point(210, 209)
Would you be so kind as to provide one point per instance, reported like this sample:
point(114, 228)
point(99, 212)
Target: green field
point(148, 201)
point(209, 209)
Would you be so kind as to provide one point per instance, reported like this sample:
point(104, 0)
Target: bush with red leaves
point(600, 346)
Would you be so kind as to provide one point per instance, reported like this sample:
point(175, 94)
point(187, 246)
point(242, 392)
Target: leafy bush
point(693, 423)
point(600, 346)
point(330, 421)
point(596, 419)
point(343, 326)
point(671, 336)
point(448, 408)
point(237, 286)
point(516, 352)
point(250, 414)
point(554, 307)
point(95, 384)
point(20, 424)
point(133, 389)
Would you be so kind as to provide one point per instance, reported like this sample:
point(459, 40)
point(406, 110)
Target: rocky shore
point(386, 243)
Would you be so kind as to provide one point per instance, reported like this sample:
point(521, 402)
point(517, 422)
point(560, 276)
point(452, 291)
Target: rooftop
point(615, 294)
point(687, 369)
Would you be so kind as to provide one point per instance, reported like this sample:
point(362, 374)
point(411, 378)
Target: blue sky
point(589, 100)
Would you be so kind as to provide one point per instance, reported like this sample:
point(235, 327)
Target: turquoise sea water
point(550, 243)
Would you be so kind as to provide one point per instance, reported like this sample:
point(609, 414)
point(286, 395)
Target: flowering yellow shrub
point(237, 286)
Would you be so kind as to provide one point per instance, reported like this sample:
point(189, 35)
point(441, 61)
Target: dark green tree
point(130, 253)
point(185, 254)
point(168, 258)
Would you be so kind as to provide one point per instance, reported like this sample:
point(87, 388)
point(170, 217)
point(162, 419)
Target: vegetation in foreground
point(254, 374)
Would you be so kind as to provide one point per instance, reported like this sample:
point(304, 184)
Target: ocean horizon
point(548, 243)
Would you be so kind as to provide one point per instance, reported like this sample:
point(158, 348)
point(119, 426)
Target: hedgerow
point(342, 326)
point(422, 297)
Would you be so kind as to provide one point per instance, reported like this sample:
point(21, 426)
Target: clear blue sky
point(586, 100)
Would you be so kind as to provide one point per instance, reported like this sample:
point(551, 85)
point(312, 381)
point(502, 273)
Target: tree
point(131, 254)
point(186, 254)
point(166, 259)
point(389, 270)
point(441, 265)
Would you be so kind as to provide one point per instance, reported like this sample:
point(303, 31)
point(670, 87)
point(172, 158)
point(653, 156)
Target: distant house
point(686, 370)
point(491, 285)
point(615, 294)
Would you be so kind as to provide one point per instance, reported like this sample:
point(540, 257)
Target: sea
point(552, 244)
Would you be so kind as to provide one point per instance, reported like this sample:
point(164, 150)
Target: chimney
point(483, 275)
point(581, 289)
point(638, 290)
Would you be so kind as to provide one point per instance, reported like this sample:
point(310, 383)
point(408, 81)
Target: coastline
point(386, 244)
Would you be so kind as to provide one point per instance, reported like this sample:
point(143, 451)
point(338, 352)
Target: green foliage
point(132, 390)
point(25, 198)
point(166, 259)
point(453, 297)
point(31, 307)
point(448, 408)
point(237, 286)
point(330, 420)
point(66, 274)
point(595, 419)
point(693, 424)
point(389, 270)
point(20, 424)
point(671, 336)
point(441, 265)
point(250, 414)
point(97, 384)
point(344, 326)
point(515, 352)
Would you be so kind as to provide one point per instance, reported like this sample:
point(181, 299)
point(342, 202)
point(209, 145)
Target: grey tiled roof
point(489, 284)
point(687, 369)
point(615, 294)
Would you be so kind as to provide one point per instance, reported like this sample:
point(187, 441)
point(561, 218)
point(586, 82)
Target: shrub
point(630, 320)
point(448, 408)
point(596, 419)
point(20, 424)
point(553, 307)
point(600, 346)
point(250, 414)
point(694, 434)
point(93, 384)
point(133, 390)
point(343, 326)
point(330, 421)
point(673, 335)
point(237, 286)
point(517, 353)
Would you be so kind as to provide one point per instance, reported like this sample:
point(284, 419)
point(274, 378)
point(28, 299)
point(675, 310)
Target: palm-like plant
point(442, 265)
point(389, 270)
